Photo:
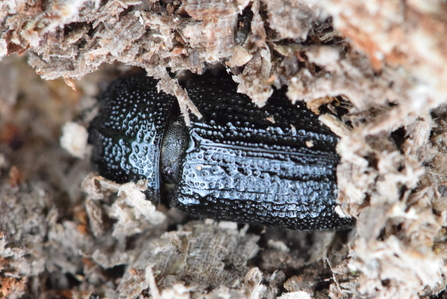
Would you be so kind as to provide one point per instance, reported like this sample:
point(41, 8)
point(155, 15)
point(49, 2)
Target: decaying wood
point(381, 62)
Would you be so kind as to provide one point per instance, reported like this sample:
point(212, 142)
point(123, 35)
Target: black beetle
point(274, 165)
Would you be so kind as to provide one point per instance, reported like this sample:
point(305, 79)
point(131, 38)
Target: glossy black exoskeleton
point(274, 165)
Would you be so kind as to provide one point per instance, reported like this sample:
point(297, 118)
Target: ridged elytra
point(274, 165)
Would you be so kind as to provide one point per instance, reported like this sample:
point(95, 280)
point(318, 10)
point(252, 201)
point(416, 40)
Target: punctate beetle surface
point(274, 165)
